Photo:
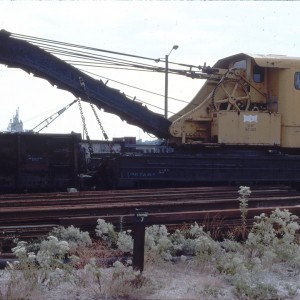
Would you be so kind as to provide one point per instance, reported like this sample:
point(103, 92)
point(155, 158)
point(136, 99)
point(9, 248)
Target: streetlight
point(175, 47)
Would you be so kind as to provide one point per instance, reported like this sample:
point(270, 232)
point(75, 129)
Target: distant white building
point(15, 125)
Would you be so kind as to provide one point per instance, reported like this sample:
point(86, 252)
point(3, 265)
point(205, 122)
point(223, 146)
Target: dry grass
point(160, 280)
point(105, 256)
point(215, 226)
point(13, 286)
point(182, 280)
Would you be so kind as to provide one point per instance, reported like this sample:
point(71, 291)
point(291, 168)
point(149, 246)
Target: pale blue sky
point(204, 30)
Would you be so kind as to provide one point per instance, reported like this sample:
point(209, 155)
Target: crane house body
point(255, 102)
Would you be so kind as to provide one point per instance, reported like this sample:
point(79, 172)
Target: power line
point(35, 39)
point(134, 87)
point(41, 41)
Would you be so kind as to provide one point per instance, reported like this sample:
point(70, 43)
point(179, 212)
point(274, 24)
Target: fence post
point(140, 218)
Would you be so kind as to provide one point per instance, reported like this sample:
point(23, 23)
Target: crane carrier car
point(243, 125)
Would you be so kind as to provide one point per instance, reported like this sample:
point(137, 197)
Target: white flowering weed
point(26, 262)
point(47, 266)
point(125, 241)
point(74, 236)
point(197, 231)
point(52, 251)
point(20, 250)
point(244, 192)
point(157, 239)
point(153, 234)
point(106, 232)
point(276, 233)
point(195, 242)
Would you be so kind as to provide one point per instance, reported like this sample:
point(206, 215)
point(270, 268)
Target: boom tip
point(4, 32)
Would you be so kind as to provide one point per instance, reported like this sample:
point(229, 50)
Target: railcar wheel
point(229, 95)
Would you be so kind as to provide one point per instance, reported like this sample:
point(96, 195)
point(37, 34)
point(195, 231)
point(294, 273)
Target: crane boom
point(52, 118)
point(32, 59)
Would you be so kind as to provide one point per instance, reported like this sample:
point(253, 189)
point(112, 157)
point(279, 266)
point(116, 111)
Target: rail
point(29, 215)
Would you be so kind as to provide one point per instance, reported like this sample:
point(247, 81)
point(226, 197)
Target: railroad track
point(31, 215)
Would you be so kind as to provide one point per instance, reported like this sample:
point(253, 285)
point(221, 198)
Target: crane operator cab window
point(240, 64)
point(258, 74)
point(297, 80)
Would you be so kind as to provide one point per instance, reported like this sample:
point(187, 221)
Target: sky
point(205, 32)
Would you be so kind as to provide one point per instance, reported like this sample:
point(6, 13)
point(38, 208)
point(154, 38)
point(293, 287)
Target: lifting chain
point(85, 128)
point(98, 120)
point(82, 84)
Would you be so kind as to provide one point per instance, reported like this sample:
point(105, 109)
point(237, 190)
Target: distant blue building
point(15, 125)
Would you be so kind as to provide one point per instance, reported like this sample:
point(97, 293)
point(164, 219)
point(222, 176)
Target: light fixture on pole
point(175, 47)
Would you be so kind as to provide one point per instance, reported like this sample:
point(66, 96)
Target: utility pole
point(175, 47)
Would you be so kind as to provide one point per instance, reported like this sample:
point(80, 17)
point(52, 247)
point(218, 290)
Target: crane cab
point(249, 100)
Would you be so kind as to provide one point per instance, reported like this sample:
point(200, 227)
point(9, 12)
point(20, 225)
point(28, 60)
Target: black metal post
point(139, 239)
